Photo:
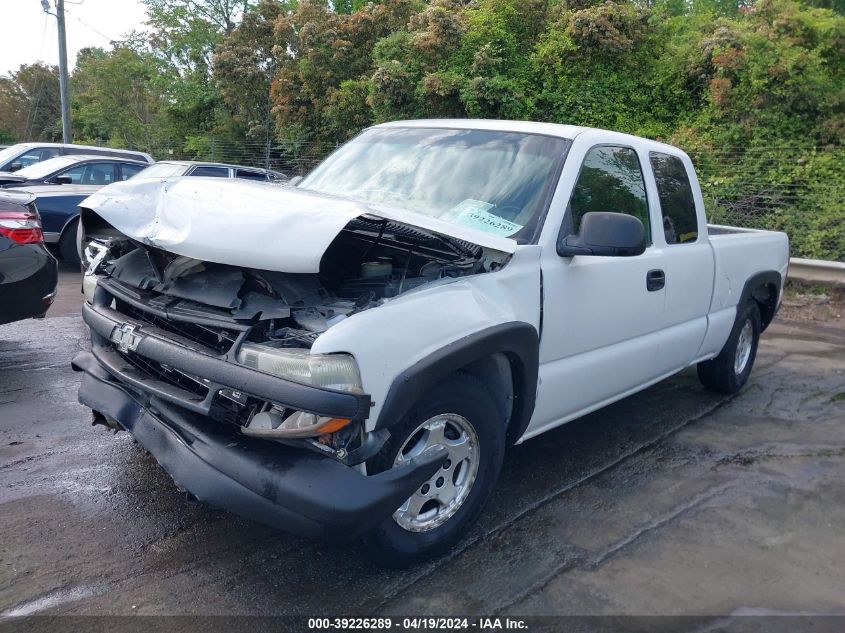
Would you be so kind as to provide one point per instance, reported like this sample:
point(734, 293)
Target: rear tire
point(462, 411)
point(729, 371)
point(67, 244)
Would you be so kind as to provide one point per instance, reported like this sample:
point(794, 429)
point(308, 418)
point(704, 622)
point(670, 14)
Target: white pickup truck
point(352, 356)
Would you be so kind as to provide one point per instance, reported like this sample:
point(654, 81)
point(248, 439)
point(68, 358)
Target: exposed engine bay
point(229, 311)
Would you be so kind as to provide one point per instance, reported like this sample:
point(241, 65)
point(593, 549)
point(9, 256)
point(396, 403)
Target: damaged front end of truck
point(204, 300)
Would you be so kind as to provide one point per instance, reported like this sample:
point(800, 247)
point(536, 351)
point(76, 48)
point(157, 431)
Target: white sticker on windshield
point(474, 214)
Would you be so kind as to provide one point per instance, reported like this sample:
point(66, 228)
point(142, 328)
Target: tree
point(115, 99)
point(30, 104)
point(244, 67)
point(317, 51)
point(182, 15)
point(184, 37)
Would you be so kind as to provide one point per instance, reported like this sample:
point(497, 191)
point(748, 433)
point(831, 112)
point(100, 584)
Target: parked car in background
point(22, 155)
point(59, 210)
point(28, 272)
point(73, 170)
point(352, 356)
point(175, 168)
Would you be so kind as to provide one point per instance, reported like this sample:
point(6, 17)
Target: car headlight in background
point(331, 371)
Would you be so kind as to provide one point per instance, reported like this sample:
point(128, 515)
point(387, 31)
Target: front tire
point(729, 371)
point(461, 414)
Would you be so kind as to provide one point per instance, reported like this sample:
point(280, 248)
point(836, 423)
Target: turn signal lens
point(298, 424)
point(335, 424)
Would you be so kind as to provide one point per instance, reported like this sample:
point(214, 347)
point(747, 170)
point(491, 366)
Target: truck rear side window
point(611, 179)
point(680, 223)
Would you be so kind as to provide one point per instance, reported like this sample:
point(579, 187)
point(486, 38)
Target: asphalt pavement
point(673, 501)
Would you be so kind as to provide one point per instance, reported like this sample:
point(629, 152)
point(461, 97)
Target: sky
point(28, 35)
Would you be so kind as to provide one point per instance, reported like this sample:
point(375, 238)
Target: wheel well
point(766, 296)
point(495, 373)
point(505, 355)
point(504, 376)
point(67, 224)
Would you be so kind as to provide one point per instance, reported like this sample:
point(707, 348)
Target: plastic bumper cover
point(281, 486)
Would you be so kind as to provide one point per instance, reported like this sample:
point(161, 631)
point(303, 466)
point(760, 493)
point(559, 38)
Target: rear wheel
point(461, 415)
point(729, 371)
point(67, 244)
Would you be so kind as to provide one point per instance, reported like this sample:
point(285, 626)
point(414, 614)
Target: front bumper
point(287, 488)
point(282, 486)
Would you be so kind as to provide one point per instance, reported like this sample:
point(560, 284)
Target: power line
point(88, 26)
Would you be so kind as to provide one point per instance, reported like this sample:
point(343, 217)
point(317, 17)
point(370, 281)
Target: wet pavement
point(673, 501)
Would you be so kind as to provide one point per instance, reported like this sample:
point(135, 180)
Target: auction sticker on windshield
point(475, 214)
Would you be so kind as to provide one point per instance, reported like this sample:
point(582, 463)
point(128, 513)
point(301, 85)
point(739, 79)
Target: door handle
point(655, 280)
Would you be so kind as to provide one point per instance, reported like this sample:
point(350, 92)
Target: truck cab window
point(680, 224)
point(611, 179)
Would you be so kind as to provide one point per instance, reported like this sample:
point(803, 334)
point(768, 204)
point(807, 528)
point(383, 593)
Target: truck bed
point(741, 253)
point(719, 229)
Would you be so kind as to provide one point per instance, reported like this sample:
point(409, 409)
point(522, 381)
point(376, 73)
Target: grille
point(172, 376)
point(217, 338)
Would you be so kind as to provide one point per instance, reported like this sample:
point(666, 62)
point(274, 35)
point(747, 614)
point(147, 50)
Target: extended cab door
point(602, 316)
point(686, 256)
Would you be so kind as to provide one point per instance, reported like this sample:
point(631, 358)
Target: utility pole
point(63, 79)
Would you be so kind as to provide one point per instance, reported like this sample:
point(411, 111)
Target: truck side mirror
point(607, 234)
point(15, 166)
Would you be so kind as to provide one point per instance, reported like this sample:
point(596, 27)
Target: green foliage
point(317, 51)
point(736, 84)
point(754, 91)
point(184, 37)
point(244, 67)
point(30, 105)
point(115, 100)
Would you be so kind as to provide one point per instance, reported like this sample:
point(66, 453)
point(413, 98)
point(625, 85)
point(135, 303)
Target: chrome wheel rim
point(439, 498)
point(743, 347)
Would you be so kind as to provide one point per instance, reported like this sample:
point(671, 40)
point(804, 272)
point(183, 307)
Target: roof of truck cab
point(525, 127)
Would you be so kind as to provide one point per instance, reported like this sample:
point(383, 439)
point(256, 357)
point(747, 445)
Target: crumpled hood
point(250, 224)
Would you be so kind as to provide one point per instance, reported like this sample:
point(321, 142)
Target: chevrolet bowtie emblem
point(126, 337)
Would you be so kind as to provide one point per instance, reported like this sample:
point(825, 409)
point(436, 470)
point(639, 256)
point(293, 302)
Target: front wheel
point(68, 244)
point(460, 414)
point(729, 371)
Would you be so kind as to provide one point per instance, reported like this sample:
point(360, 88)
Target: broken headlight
point(332, 371)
